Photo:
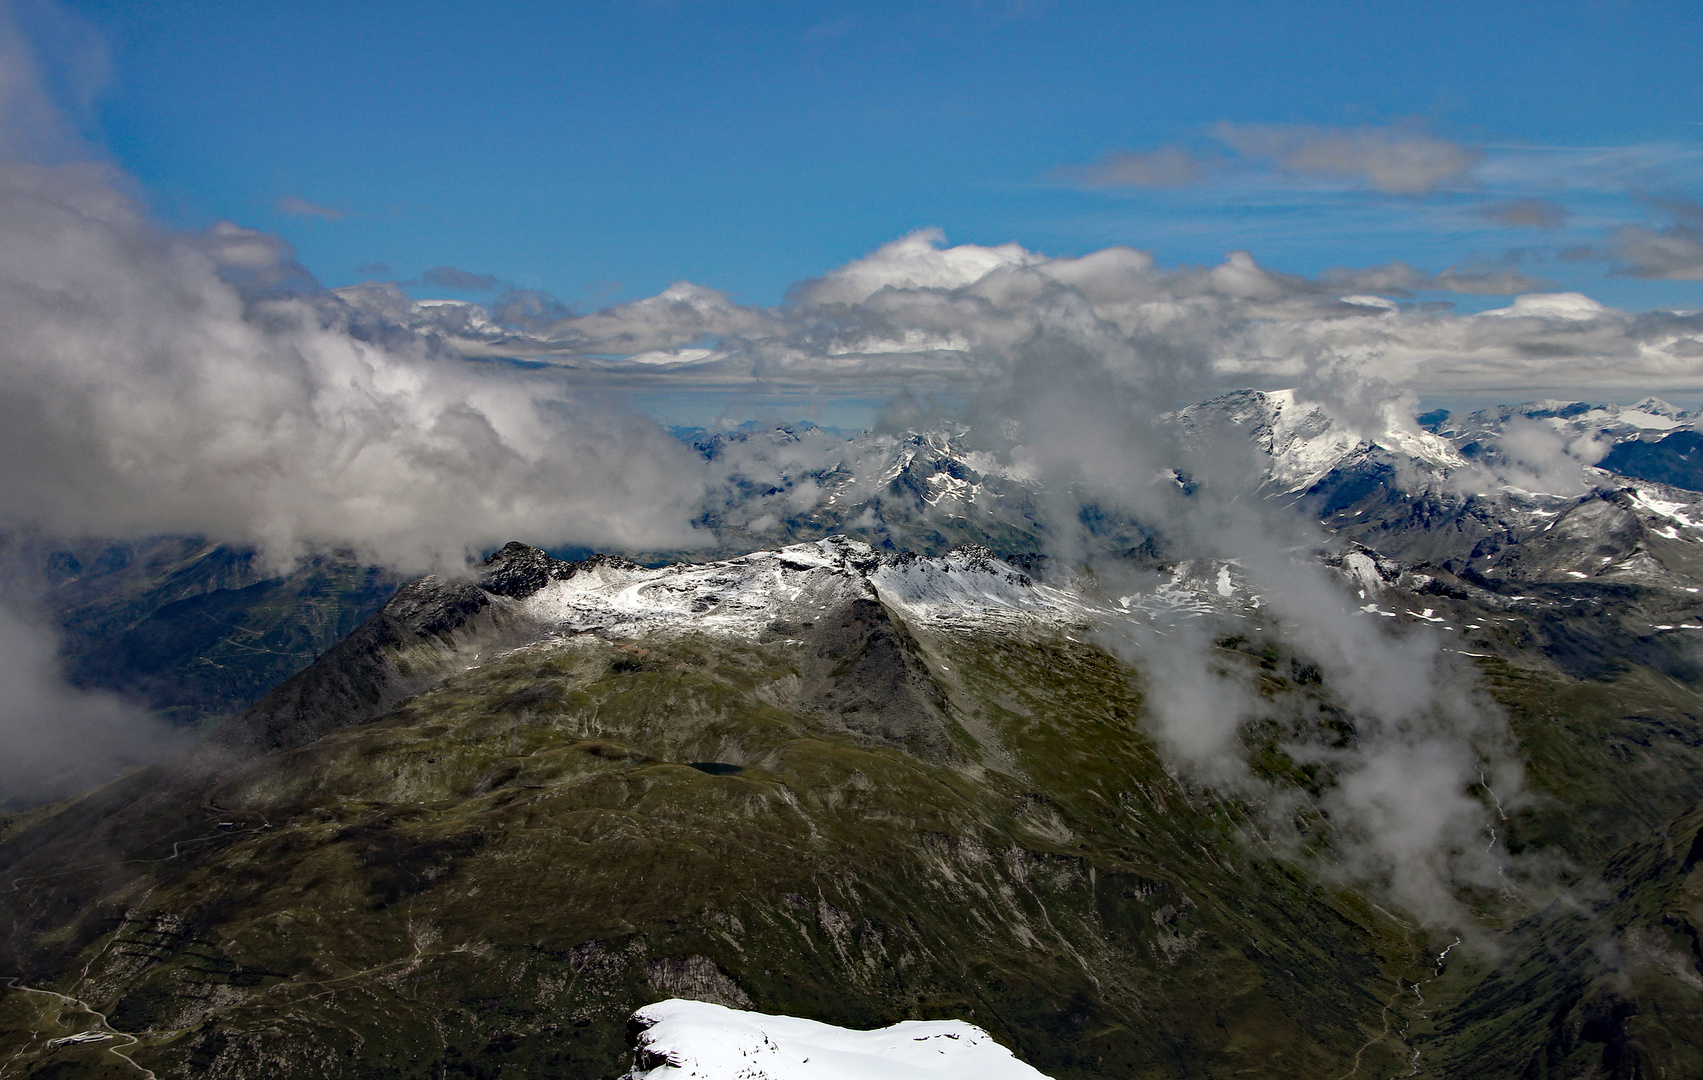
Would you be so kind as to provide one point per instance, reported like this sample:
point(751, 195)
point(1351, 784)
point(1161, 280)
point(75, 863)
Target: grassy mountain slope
point(460, 845)
point(1605, 981)
point(489, 877)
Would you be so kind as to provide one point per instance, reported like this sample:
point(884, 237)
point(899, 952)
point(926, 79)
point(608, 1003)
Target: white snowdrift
point(695, 1040)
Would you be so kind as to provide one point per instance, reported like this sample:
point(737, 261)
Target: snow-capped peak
point(1306, 441)
point(794, 584)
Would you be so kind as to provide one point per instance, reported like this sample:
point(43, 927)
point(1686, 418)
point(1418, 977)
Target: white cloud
point(58, 739)
point(915, 313)
point(141, 393)
point(916, 261)
point(1570, 306)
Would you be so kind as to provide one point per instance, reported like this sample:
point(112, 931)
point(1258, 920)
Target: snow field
point(695, 1040)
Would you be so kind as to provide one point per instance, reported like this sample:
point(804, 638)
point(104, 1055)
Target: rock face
point(1608, 982)
point(194, 631)
point(1674, 460)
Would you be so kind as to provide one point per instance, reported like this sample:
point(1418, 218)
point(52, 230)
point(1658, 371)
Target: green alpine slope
point(463, 843)
point(842, 820)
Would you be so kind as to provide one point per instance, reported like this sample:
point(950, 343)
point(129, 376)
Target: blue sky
point(602, 151)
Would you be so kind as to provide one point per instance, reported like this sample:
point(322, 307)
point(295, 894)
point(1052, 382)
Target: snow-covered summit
point(695, 1040)
point(1304, 440)
point(1572, 420)
point(791, 585)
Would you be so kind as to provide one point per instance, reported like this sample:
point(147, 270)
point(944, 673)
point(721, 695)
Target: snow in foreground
point(695, 1040)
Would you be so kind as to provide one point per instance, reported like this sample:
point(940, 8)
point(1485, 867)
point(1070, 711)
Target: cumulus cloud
point(155, 382)
point(1534, 456)
point(915, 313)
point(916, 261)
point(1527, 213)
point(296, 206)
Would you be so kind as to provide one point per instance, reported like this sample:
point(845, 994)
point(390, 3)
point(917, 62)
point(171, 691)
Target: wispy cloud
point(1396, 160)
point(1526, 213)
point(1400, 279)
point(1168, 166)
point(61, 739)
point(296, 206)
point(449, 277)
point(1673, 252)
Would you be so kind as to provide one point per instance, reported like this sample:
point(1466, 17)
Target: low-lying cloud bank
point(917, 313)
point(59, 739)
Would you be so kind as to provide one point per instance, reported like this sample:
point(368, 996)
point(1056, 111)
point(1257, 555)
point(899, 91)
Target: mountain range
point(889, 747)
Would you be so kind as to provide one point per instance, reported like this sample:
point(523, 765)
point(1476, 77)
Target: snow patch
point(967, 586)
point(695, 1040)
point(1663, 508)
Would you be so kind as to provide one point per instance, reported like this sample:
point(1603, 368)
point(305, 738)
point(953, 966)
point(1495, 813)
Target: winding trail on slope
point(1401, 1036)
point(176, 847)
point(100, 1018)
point(11, 981)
